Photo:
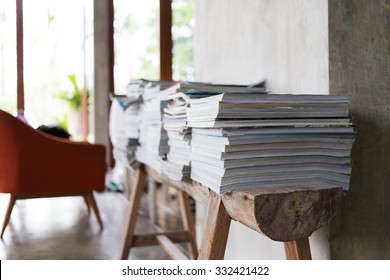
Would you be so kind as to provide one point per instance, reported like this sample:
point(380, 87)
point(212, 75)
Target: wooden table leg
point(131, 218)
point(216, 231)
point(152, 201)
point(298, 249)
point(188, 222)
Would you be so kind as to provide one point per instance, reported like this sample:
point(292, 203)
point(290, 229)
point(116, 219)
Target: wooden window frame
point(19, 57)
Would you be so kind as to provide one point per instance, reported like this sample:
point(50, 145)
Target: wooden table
point(285, 214)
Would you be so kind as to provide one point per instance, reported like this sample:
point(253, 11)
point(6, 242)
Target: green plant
point(73, 97)
point(63, 121)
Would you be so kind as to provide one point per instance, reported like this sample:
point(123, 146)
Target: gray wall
point(284, 42)
point(359, 37)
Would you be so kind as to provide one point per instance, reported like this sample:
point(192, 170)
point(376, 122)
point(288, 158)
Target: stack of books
point(244, 141)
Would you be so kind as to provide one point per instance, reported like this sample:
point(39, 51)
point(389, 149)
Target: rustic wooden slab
point(284, 214)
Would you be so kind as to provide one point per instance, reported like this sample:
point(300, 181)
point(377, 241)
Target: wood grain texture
point(19, 56)
point(170, 248)
point(166, 43)
point(140, 240)
point(188, 223)
point(199, 192)
point(87, 203)
point(284, 214)
point(92, 203)
point(287, 214)
point(298, 250)
point(135, 199)
point(216, 230)
point(165, 239)
point(7, 216)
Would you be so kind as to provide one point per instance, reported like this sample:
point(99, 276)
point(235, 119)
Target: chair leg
point(87, 203)
point(92, 203)
point(11, 204)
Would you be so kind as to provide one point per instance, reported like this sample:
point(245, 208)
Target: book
point(261, 161)
point(274, 131)
point(286, 99)
point(309, 181)
point(226, 143)
point(223, 181)
point(260, 106)
point(188, 87)
point(277, 152)
point(234, 123)
point(271, 168)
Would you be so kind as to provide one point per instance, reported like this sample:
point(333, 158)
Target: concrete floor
point(62, 228)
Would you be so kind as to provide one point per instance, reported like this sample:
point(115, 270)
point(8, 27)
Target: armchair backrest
point(20, 145)
point(12, 133)
point(34, 162)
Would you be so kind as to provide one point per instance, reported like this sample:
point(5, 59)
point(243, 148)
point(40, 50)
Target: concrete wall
point(359, 37)
point(284, 42)
point(245, 41)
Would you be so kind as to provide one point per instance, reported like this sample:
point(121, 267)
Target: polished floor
point(62, 228)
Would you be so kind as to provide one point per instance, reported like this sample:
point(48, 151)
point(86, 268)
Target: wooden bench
point(285, 214)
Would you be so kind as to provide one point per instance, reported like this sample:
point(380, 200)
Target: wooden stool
point(286, 214)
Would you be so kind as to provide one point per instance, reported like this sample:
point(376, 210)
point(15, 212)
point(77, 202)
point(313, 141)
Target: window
point(136, 38)
point(182, 34)
point(137, 41)
point(8, 55)
point(58, 42)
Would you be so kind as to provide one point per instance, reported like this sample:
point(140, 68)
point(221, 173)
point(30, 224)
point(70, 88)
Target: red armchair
point(35, 165)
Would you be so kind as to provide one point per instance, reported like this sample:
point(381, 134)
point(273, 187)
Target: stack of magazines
point(177, 166)
point(244, 141)
point(124, 121)
point(230, 137)
point(153, 138)
point(118, 136)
